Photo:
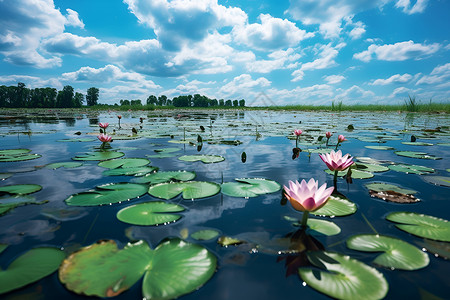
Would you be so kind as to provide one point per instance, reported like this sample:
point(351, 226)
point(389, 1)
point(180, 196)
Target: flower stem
point(305, 218)
point(335, 179)
point(296, 142)
point(337, 145)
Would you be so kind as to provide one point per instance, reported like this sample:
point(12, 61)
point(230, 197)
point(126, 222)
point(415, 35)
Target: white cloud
point(418, 7)
point(72, 19)
point(354, 94)
point(333, 79)
point(400, 90)
point(31, 81)
point(244, 86)
point(397, 78)
point(397, 52)
point(278, 60)
point(272, 33)
point(318, 94)
point(438, 75)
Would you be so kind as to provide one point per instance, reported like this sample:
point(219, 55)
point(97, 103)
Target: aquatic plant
point(105, 139)
point(336, 162)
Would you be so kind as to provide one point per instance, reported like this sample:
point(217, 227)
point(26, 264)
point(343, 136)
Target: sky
point(277, 52)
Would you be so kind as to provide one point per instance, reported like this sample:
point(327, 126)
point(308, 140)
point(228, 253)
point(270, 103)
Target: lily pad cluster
point(11, 155)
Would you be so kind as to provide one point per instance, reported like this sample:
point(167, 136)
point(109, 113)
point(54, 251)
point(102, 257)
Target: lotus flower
point(328, 134)
point(335, 161)
point(119, 116)
point(104, 138)
point(103, 125)
point(307, 197)
point(341, 138)
point(297, 132)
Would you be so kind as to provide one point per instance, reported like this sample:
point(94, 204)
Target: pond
point(224, 228)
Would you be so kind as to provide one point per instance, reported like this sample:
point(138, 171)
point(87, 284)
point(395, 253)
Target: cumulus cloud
point(31, 81)
point(397, 52)
point(72, 19)
point(272, 33)
point(397, 78)
point(244, 85)
point(410, 9)
point(438, 75)
point(354, 94)
point(281, 59)
point(333, 79)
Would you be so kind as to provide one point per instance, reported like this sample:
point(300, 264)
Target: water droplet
point(436, 255)
point(304, 283)
point(392, 268)
point(424, 249)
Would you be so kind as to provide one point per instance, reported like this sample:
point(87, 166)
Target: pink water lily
point(297, 132)
point(104, 138)
point(103, 125)
point(328, 134)
point(307, 196)
point(341, 138)
point(335, 161)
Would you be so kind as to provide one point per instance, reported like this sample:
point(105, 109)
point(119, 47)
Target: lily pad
point(205, 235)
point(77, 140)
point(173, 269)
point(99, 155)
point(12, 155)
point(20, 189)
point(417, 144)
point(422, 225)
point(107, 194)
point(391, 193)
point(356, 174)
point(4, 176)
point(439, 249)
point(379, 147)
point(370, 168)
point(343, 277)
point(414, 154)
point(250, 187)
point(30, 267)
point(438, 180)
point(165, 152)
point(381, 187)
point(166, 176)
point(336, 206)
point(397, 254)
point(150, 213)
point(207, 159)
point(136, 171)
point(124, 163)
point(8, 203)
point(411, 169)
point(69, 165)
point(189, 189)
point(321, 227)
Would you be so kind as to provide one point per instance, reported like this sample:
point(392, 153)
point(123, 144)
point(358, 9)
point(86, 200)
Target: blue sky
point(266, 52)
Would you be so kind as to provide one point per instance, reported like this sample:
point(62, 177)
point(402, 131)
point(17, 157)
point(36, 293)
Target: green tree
point(92, 96)
point(242, 103)
point(152, 100)
point(162, 100)
point(65, 97)
point(221, 102)
point(78, 100)
point(228, 103)
point(235, 103)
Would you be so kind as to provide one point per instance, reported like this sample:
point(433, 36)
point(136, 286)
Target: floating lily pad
point(77, 140)
point(124, 163)
point(356, 174)
point(414, 154)
point(20, 189)
point(205, 235)
point(189, 189)
point(159, 177)
point(379, 147)
point(343, 277)
point(207, 159)
point(319, 150)
point(381, 187)
point(417, 143)
point(336, 206)
point(8, 203)
point(107, 194)
point(439, 249)
point(150, 213)
point(226, 241)
point(164, 153)
point(17, 155)
point(396, 254)
point(321, 227)
point(136, 171)
point(411, 169)
point(68, 164)
point(250, 187)
point(30, 267)
point(438, 180)
point(173, 269)
point(370, 168)
point(422, 225)
point(99, 155)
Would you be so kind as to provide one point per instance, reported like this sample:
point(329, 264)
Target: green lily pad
point(414, 154)
point(207, 159)
point(99, 155)
point(336, 206)
point(379, 147)
point(4, 176)
point(12, 155)
point(356, 174)
point(189, 189)
point(343, 277)
point(439, 249)
point(321, 227)
point(173, 269)
point(160, 177)
point(438, 180)
point(250, 187)
point(370, 168)
point(411, 169)
point(30, 267)
point(381, 187)
point(124, 163)
point(164, 153)
point(8, 203)
point(422, 225)
point(136, 171)
point(77, 140)
point(69, 164)
point(107, 194)
point(205, 235)
point(319, 150)
point(226, 241)
point(417, 144)
point(150, 213)
point(397, 254)
point(20, 189)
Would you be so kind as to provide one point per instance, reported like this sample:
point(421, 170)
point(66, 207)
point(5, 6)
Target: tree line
point(21, 96)
point(196, 100)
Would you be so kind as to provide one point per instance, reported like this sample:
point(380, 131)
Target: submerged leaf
point(438, 180)
point(205, 234)
point(69, 164)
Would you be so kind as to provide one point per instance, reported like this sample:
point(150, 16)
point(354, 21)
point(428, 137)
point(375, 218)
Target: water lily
point(119, 117)
point(297, 133)
point(307, 196)
point(328, 135)
point(336, 162)
point(341, 138)
point(103, 126)
point(104, 138)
